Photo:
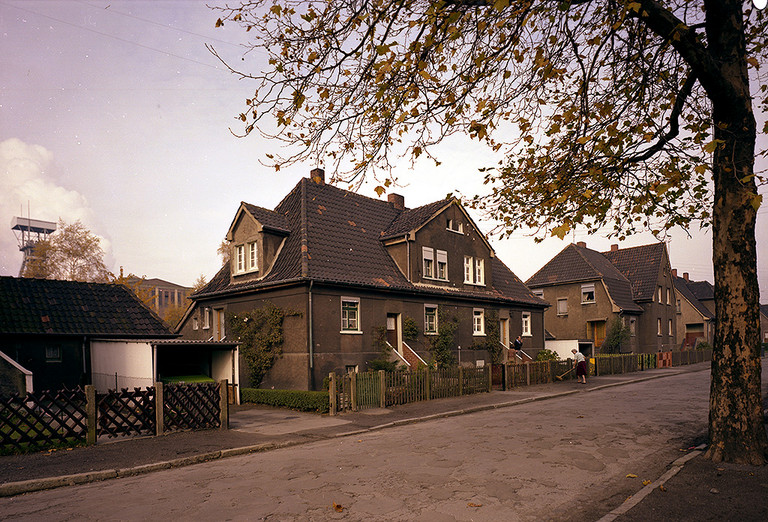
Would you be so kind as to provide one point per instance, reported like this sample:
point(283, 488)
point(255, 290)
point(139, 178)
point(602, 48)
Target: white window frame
point(479, 271)
point(345, 321)
point(469, 269)
point(658, 326)
point(538, 293)
point(669, 328)
point(253, 256)
point(478, 321)
point(669, 296)
point(526, 324)
point(219, 324)
point(240, 259)
point(585, 290)
point(195, 323)
point(661, 295)
point(562, 311)
point(206, 318)
point(430, 327)
point(428, 262)
point(441, 265)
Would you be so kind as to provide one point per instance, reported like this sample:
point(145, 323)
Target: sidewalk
point(256, 428)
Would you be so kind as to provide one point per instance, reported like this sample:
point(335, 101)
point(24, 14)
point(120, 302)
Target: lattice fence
point(124, 412)
point(39, 420)
point(192, 406)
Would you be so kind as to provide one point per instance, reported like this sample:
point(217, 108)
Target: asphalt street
point(558, 452)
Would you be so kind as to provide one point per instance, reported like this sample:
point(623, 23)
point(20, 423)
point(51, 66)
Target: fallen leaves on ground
point(646, 482)
point(472, 504)
point(631, 475)
point(662, 488)
point(338, 507)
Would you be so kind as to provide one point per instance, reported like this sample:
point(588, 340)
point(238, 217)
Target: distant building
point(695, 320)
point(29, 232)
point(164, 295)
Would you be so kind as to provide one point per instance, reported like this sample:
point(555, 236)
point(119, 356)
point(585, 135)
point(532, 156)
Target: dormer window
point(246, 258)
point(454, 226)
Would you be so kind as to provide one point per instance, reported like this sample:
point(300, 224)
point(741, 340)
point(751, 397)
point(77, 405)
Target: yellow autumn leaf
point(338, 507)
point(646, 482)
point(631, 475)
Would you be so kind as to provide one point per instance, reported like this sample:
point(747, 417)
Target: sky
point(114, 113)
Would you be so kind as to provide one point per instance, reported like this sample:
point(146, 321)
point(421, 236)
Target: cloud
point(28, 185)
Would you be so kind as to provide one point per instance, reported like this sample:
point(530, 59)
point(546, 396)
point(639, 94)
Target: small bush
point(547, 355)
point(703, 345)
point(314, 401)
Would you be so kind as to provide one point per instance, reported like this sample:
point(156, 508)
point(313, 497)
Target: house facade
point(353, 273)
point(590, 289)
point(695, 321)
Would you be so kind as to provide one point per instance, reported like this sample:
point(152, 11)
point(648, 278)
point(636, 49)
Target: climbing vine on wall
point(260, 333)
point(492, 341)
point(442, 345)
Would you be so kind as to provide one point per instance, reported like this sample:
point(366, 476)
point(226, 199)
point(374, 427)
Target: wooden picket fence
point(37, 421)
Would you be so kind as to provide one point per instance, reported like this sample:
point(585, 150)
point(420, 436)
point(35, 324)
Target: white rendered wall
point(131, 361)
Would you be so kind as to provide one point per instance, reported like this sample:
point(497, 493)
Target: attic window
point(246, 258)
point(454, 226)
point(588, 293)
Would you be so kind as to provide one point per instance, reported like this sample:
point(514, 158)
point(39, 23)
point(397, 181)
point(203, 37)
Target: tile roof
point(42, 306)
point(336, 237)
point(681, 286)
point(703, 290)
point(641, 265)
point(576, 263)
point(268, 218)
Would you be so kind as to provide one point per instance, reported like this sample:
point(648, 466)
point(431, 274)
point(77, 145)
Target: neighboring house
point(67, 334)
point(588, 289)
point(764, 323)
point(703, 291)
point(354, 269)
point(695, 321)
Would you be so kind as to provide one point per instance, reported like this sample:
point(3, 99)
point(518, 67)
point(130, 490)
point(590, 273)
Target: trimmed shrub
point(314, 401)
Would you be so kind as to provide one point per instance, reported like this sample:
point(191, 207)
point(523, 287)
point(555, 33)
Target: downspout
point(311, 340)
point(408, 258)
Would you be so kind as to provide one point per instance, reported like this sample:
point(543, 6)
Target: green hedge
point(291, 399)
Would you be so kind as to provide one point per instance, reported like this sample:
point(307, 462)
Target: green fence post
point(332, 393)
point(382, 388)
point(90, 411)
point(159, 417)
point(428, 384)
point(488, 368)
point(353, 390)
point(461, 381)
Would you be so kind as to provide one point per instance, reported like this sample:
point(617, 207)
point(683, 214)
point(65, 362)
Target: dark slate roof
point(703, 290)
point(576, 264)
point(42, 306)
point(681, 286)
point(641, 265)
point(268, 218)
point(336, 237)
point(411, 219)
point(764, 310)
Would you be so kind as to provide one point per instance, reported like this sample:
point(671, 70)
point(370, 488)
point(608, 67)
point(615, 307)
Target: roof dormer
point(255, 236)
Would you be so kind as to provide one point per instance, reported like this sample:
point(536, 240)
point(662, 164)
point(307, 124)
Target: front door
point(504, 337)
point(393, 331)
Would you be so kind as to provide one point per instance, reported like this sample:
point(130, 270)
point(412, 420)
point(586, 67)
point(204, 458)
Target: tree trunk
point(736, 424)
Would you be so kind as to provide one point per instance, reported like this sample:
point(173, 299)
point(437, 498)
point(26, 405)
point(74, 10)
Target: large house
point(354, 271)
point(589, 289)
point(56, 334)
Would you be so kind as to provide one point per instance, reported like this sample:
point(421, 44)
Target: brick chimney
point(318, 176)
point(685, 276)
point(614, 248)
point(582, 244)
point(396, 200)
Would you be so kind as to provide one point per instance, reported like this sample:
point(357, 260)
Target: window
point(206, 318)
point(562, 306)
point(669, 296)
point(53, 353)
point(678, 306)
point(658, 326)
point(660, 294)
point(478, 321)
point(350, 314)
point(479, 271)
point(474, 270)
point(669, 329)
point(454, 226)
point(350, 368)
point(429, 261)
point(430, 319)
point(253, 258)
point(588, 293)
point(527, 324)
point(195, 323)
point(538, 293)
point(632, 326)
point(240, 258)
point(442, 265)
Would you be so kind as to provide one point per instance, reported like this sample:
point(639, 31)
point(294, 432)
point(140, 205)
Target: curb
point(10, 489)
point(638, 497)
